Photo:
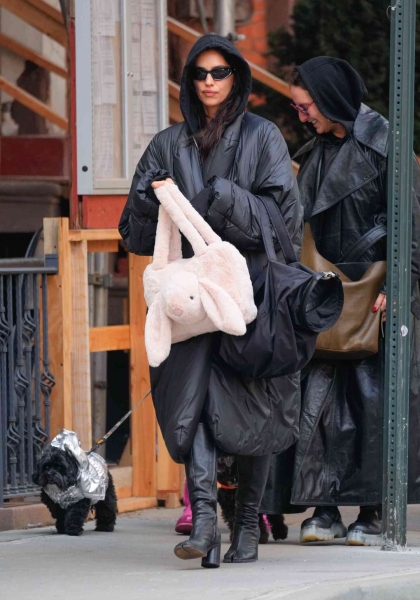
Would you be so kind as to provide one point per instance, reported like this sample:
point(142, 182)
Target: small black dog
point(227, 476)
point(60, 468)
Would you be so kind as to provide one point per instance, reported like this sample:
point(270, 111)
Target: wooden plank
point(81, 380)
point(136, 503)
point(112, 337)
point(102, 212)
point(48, 10)
point(27, 53)
point(143, 420)
point(267, 78)
point(60, 325)
point(103, 246)
point(183, 31)
point(123, 477)
point(78, 235)
point(40, 108)
point(168, 472)
point(37, 18)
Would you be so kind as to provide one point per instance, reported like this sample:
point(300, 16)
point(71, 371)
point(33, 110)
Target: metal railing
point(25, 377)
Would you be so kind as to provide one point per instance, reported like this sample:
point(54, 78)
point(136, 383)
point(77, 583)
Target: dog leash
point(120, 422)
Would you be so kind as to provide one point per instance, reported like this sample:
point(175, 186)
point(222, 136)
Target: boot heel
point(212, 560)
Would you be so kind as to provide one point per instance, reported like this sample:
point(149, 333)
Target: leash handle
point(120, 422)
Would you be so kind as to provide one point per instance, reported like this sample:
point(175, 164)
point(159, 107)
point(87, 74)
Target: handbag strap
point(176, 210)
point(280, 229)
point(366, 241)
point(271, 217)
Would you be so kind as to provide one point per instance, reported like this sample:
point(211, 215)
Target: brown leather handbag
point(356, 333)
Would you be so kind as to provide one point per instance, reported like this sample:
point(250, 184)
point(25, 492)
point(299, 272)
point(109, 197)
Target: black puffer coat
point(339, 454)
point(250, 160)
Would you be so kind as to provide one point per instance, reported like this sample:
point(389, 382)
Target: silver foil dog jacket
point(93, 473)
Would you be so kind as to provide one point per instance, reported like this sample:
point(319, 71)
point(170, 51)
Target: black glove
point(202, 201)
point(161, 175)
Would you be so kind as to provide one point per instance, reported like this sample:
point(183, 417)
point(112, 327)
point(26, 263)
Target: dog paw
point(109, 528)
point(74, 532)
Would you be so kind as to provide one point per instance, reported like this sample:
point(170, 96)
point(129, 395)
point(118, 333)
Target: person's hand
point(157, 184)
point(380, 305)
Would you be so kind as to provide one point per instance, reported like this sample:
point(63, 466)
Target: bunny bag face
point(188, 297)
point(181, 300)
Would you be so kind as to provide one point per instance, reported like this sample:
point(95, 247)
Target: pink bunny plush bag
point(186, 297)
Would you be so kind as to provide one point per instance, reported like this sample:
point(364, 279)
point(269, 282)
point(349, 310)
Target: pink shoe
point(184, 523)
point(267, 523)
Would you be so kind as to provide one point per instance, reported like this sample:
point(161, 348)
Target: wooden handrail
point(258, 73)
point(48, 10)
point(28, 54)
point(32, 15)
point(33, 103)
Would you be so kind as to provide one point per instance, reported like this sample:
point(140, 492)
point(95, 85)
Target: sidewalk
point(137, 562)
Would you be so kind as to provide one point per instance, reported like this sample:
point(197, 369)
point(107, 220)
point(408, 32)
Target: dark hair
point(209, 134)
point(295, 79)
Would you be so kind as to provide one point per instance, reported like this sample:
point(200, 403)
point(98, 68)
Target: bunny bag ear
point(221, 309)
point(157, 333)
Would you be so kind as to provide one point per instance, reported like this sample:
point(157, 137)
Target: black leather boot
point(252, 478)
point(323, 526)
point(367, 529)
point(201, 470)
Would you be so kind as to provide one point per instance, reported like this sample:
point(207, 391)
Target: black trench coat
point(251, 160)
point(339, 454)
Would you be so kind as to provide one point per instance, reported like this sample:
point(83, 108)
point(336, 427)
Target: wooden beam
point(32, 15)
point(136, 503)
point(81, 380)
point(33, 103)
point(111, 337)
point(258, 73)
point(77, 235)
point(183, 31)
point(103, 246)
point(267, 78)
point(143, 420)
point(28, 54)
point(48, 10)
point(60, 324)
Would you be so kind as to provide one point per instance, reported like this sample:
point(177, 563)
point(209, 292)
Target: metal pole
point(397, 354)
point(100, 359)
point(224, 18)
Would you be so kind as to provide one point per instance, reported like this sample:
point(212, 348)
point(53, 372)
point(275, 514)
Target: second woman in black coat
point(223, 160)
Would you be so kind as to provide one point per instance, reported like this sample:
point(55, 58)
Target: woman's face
point(212, 93)
point(322, 125)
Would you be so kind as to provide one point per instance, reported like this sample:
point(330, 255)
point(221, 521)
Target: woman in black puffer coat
point(222, 159)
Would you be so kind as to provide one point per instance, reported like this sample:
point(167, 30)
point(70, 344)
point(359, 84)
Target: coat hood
point(338, 90)
point(211, 41)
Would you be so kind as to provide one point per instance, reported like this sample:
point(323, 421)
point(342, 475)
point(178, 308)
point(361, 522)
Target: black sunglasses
point(218, 73)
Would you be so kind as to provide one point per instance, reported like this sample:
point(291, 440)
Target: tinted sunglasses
point(218, 73)
point(302, 109)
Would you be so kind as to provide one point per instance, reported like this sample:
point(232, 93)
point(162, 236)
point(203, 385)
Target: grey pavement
point(137, 561)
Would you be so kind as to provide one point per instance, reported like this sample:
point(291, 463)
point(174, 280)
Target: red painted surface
point(102, 212)
point(34, 156)
point(74, 199)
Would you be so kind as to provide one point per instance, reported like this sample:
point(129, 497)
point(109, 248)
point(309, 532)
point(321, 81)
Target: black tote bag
point(294, 303)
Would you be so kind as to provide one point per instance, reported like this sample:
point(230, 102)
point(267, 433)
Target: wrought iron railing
point(25, 377)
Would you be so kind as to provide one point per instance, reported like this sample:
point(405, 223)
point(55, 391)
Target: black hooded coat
point(339, 454)
point(250, 160)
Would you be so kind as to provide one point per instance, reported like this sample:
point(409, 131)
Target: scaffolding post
point(397, 353)
point(224, 18)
